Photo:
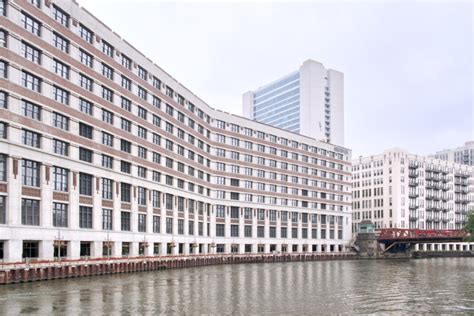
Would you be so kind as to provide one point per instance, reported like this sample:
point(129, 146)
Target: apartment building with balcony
point(463, 154)
point(402, 190)
point(102, 153)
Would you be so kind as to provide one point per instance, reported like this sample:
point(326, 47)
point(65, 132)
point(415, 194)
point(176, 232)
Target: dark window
point(30, 249)
point(85, 184)
point(125, 192)
point(156, 224)
point(85, 216)
point(85, 106)
point(3, 213)
point(85, 154)
point(85, 130)
point(30, 212)
point(220, 230)
point(125, 221)
point(60, 147)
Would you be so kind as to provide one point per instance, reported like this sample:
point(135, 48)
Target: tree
point(470, 225)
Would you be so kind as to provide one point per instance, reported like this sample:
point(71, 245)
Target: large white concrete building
point(463, 154)
point(309, 101)
point(104, 153)
point(402, 190)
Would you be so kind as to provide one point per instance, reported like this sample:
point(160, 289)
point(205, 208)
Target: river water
point(327, 287)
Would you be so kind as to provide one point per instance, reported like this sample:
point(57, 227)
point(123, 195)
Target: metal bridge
point(401, 240)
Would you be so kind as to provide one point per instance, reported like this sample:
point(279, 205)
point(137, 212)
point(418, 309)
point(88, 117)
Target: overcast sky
point(408, 66)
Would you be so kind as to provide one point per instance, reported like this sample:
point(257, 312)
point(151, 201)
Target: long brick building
point(103, 153)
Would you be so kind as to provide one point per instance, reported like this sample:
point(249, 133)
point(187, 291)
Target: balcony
point(413, 173)
point(413, 206)
point(413, 194)
point(412, 183)
point(432, 176)
point(413, 216)
point(413, 165)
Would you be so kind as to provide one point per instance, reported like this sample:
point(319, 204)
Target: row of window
point(108, 49)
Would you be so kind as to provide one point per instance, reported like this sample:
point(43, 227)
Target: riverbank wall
point(51, 270)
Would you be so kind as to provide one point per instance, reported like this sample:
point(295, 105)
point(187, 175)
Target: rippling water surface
point(349, 287)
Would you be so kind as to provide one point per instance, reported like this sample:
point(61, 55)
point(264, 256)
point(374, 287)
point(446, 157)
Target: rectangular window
point(61, 95)
point(60, 16)
point(107, 139)
point(86, 82)
point(85, 106)
point(60, 215)
point(31, 24)
point(107, 188)
point(234, 230)
point(126, 83)
point(107, 94)
point(60, 42)
point(61, 69)
point(126, 62)
point(125, 166)
point(85, 33)
point(31, 53)
point(85, 184)
point(169, 225)
point(86, 58)
point(156, 224)
point(30, 212)
point(107, 49)
point(125, 221)
point(85, 130)
point(107, 71)
point(142, 73)
point(85, 154)
point(141, 196)
point(107, 161)
point(31, 82)
point(31, 138)
point(220, 230)
point(85, 216)
point(107, 117)
point(3, 212)
point(180, 226)
point(141, 222)
point(60, 147)
point(3, 100)
point(125, 192)
point(31, 110)
point(60, 179)
point(107, 219)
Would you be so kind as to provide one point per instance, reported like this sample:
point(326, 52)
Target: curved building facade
point(105, 154)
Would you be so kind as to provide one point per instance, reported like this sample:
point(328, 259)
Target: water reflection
point(400, 286)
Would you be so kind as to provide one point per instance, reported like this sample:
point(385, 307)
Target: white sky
point(408, 65)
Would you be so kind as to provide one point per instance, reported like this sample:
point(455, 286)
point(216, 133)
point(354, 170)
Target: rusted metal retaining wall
point(50, 270)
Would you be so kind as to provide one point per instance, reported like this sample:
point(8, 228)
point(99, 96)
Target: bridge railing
point(400, 234)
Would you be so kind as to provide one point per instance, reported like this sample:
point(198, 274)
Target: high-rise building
point(309, 101)
point(103, 153)
point(402, 190)
point(463, 155)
